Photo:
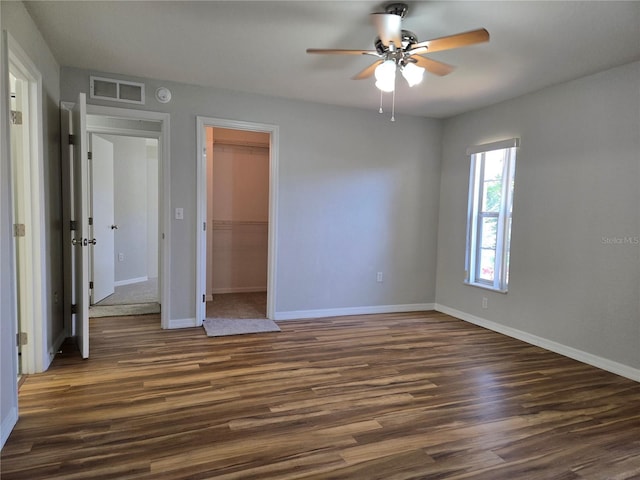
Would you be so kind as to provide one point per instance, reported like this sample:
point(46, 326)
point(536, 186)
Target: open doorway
point(81, 120)
point(238, 216)
point(124, 263)
point(237, 210)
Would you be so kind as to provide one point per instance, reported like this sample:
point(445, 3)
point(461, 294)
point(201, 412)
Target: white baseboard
point(7, 425)
point(339, 312)
point(579, 355)
point(182, 323)
point(215, 291)
point(129, 281)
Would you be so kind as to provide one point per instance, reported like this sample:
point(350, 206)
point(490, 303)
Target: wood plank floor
point(398, 396)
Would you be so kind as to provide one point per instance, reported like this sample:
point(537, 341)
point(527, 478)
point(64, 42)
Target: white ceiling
point(260, 46)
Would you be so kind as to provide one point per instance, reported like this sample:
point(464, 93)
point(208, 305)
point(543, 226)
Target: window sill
point(485, 287)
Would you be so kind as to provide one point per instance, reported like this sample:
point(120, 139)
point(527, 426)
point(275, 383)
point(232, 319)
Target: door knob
point(83, 242)
point(114, 227)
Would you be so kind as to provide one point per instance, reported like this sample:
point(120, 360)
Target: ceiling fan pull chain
point(393, 106)
point(380, 110)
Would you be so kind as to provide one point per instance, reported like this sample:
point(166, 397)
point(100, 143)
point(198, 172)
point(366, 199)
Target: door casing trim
point(164, 191)
point(36, 355)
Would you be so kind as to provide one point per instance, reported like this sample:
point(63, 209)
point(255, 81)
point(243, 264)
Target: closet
point(237, 211)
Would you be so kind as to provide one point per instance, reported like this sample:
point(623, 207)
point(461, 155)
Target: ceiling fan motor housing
point(399, 9)
point(408, 38)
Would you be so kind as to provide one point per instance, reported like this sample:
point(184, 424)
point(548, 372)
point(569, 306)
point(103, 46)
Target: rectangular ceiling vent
point(116, 90)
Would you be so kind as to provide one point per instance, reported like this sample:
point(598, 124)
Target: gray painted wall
point(357, 194)
point(16, 20)
point(576, 192)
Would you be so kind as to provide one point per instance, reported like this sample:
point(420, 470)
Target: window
point(489, 216)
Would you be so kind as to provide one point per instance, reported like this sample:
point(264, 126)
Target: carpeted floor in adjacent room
point(139, 298)
point(238, 305)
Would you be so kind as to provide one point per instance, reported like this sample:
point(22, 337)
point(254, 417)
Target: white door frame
point(34, 321)
point(201, 207)
point(164, 190)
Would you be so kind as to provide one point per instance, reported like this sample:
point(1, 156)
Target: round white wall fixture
point(163, 95)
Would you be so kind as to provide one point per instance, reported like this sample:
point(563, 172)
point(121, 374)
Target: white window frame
point(503, 215)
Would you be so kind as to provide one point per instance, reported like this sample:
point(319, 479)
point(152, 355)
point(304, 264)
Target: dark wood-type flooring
point(398, 396)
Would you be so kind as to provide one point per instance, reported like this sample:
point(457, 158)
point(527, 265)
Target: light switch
point(179, 213)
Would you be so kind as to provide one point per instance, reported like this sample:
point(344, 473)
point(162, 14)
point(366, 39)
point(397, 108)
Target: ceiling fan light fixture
point(386, 76)
point(387, 86)
point(412, 73)
point(396, 48)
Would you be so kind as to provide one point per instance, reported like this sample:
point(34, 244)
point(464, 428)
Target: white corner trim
point(339, 312)
point(7, 425)
point(574, 353)
point(182, 323)
point(129, 281)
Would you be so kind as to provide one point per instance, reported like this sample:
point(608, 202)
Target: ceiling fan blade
point(367, 72)
point(452, 41)
point(336, 51)
point(433, 66)
point(389, 27)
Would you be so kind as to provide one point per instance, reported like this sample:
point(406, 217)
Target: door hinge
point(21, 339)
point(19, 230)
point(203, 298)
point(204, 226)
point(90, 220)
point(90, 285)
point(16, 117)
point(74, 308)
point(73, 225)
point(72, 139)
point(89, 156)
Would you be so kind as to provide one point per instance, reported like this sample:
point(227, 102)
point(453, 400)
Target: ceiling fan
point(398, 49)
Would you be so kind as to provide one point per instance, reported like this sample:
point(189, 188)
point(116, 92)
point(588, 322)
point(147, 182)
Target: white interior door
point(81, 218)
point(102, 207)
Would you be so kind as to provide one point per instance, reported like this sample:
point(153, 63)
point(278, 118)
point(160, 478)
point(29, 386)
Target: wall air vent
point(116, 90)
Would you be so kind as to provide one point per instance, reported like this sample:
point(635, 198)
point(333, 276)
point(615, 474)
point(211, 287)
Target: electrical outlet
point(179, 213)
point(121, 257)
point(379, 277)
point(484, 302)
